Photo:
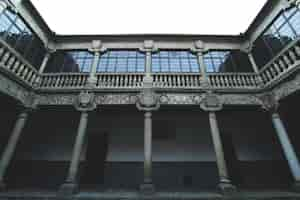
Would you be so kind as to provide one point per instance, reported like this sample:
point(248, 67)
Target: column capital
point(148, 100)
point(85, 102)
point(31, 102)
point(268, 102)
point(247, 47)
point(199, 47)
point(97, 46)
point(211, 102)
point(148, 46)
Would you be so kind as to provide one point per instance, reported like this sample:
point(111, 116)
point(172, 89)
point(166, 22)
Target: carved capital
point(148, 100)
point(199, 47)
point(148, 46)
point(97, 46)
point(31, 102)
point(247, 47)
point(85, 101)
point(269, 102)
point(211, 102)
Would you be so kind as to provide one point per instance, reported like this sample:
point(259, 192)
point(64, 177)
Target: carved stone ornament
point(211, 102)
point(148, 100)
point(31, 101)
point(269, 102)
point(85, 101)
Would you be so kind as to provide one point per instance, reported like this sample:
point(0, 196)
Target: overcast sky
point(220, 17)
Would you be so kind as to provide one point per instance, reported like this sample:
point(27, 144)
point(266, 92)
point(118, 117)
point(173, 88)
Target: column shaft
point(77, 148)
point(253, 63)
point(95, 64)
point(148, 148)
point(11, 145)
point(44, 63)
point(218, 147)
point(287, 147)
point(202, 65)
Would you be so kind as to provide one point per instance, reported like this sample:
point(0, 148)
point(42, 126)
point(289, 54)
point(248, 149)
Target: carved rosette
point(211, 102)
point(269, 102)
point(85, 101)
point(148, 100)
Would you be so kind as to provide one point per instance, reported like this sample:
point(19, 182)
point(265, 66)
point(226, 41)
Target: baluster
point(126, 81)
point(287, 61)
point(5, 57)
point(253, 81)
point(273, 72)
point(20, 71)
point(297, 50)
point(57, 82)
point(16, 65)
point(2, 50)
point(130, 80)
point(226, 80)
point(178, 80)
point(277, 68)
point(217, 81)
point(10, 62)
point(269, 75)
point(292, 56)
point(282, 65)
point(25, 72)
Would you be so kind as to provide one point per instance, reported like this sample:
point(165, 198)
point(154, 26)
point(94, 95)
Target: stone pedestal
point(225, 187)
point(68, 189)
point(147, 189)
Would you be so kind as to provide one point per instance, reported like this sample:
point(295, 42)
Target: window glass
point(174, 61)
point(121, 61)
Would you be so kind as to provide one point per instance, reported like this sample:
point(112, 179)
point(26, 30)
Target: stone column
point(147, 185)
point(287, 147)
point(225, 184)
point(11, 145)
point(45, 62)
point(71, 185)
point(202, 65)
point(199, 49)
point(96, 49)
point(253, 63)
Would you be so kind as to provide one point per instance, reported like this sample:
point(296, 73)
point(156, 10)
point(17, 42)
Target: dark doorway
point(97, 149)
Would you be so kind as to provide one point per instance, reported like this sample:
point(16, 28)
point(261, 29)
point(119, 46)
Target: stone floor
point(167, 195)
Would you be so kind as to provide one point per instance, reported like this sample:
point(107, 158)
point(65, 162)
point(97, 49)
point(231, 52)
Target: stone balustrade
point(287, 60)
point(278, 68)
point(233, 80)
point(63, 81)
point(115, 80)
point(177, 80)
point(12, 63)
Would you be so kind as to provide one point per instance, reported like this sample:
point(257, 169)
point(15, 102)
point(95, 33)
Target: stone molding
point(211, 102)
point(148, 100)
point(268, 102)
point(85, 101)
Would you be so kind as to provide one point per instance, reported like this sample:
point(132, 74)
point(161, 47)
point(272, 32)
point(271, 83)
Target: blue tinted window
point(18, 35)
point(174, 61)
point(121, 61)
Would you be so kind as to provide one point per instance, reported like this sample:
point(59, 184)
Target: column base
point(226, 188)
point(147, 189)
point(68, 189)
point(296, 187)
point(2, 186)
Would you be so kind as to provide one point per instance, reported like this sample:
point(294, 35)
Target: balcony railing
point(286, 62)
point(12, 63)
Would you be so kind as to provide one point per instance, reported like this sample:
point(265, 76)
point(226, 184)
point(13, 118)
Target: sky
point(217, 17)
